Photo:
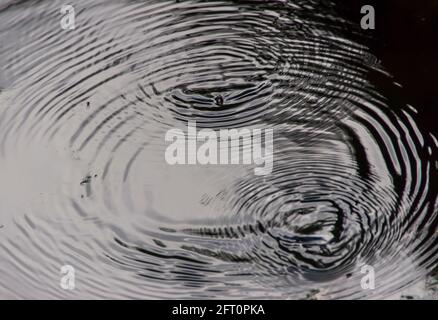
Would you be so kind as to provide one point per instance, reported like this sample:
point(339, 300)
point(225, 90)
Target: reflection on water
point(83, 115)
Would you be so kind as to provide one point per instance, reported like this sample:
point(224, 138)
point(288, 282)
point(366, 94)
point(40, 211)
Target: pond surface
point(83, 180)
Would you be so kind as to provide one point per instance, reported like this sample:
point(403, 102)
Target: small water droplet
point(219, 100)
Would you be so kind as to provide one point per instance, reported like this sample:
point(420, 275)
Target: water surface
point(83, 181)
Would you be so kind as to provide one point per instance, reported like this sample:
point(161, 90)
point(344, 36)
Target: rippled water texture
point(83, 181)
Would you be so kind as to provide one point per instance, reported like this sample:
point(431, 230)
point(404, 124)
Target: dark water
point(83, 181)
